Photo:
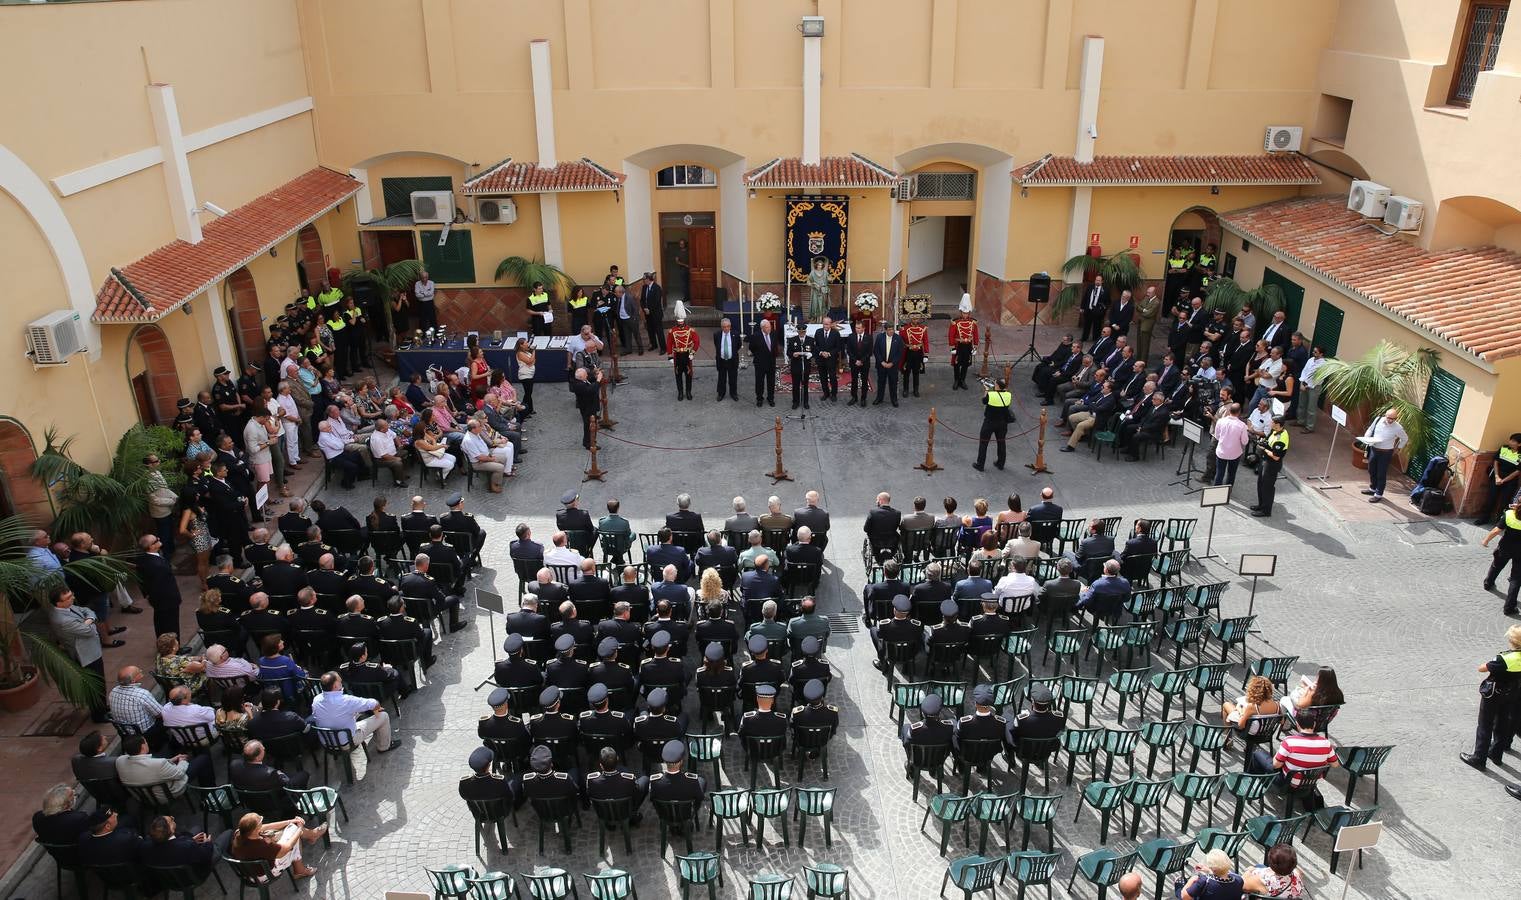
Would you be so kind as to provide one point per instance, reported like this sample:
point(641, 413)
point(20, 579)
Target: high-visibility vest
point(1207, 260)
point(311, 302)
point(578, 302)
point(336, 324)
point(1279, 441)
point(330, 297)
point(540, 299)
point(1511, 456)
point(1511, 520)
point(999, 399)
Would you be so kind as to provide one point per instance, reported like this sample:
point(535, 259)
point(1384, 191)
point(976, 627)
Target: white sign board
point(1261, 564)
point(489, 601)
point(1359, 837)
point(1338, 415)
point(261, 497)
point(1192, 431)
point(1215, 495)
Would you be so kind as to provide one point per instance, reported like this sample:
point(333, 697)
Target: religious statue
point(818, 290)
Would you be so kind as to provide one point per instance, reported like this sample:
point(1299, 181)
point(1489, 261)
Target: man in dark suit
point(829, 348)
point(1169, 376)
point(443, 554)
point(226, 512)
point(1150, 425)
point(684, 519)
point(1140, 544)
point(527, 620)
point(667, 553)
point(159, 587)
point(803, 550)
point(1122, 313)
point(1093, 549)
point(91, 762)
point(109, 842)
point(588, 401)
point(760, 584)
point(1106, 596)
point(814, 517)
point(1046, 509)
point(591, 591)
point(253, 774)
point(1051, 364)
point(764, 347)
point(877, 599)
point(272, 721)
point(165, 847)
point(726, 358)
point(928, 594)
point(716, 554)
point(858, 348)
point(881, 526)
point(1094, 304)
point(420, 585)
point(1277, 332)
point(339, 519)
point(652, 300)
point(888, 349)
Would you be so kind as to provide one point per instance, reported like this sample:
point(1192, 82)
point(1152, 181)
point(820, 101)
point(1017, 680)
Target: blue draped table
point(552, 365)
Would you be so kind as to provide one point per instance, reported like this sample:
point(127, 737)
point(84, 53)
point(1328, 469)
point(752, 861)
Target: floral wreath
point(867, 302)
point(768, 302)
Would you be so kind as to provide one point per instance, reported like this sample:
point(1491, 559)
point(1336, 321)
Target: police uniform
point(615, 675)
point(235, 591)
point(1506, 462)
point(1508, 552)
point(538, 306)
point(896, 631)
point(515, 671)
point(757, 672)
point(261, 621)
point(1497, 710)
point(228, 421)
point(333, 319)
point(484, 785)
point(916, 344)
point(807, 669)
point(815, 713)
point(610, 727)
point(311, 618)
point(374, 590)
point(402, 627)
point(551, 785)
point(1267, 471)
point(579, 311)
point(929, 731)
point(950, 630)
point(1033, 723)
point(553, 724)
point(664, 670)
point(980, 725)
point(676, 785)
point(368, 673)
point(962, 336)
point(459, 521)
point(505, 727)
point(996, 414)
point(681, 343)
point(618, 784)
point(354, 627)
point(415, 525)
point(989, 623)
point(758, 723)
point(309, 552)
point(567, 671)
point(800, 359)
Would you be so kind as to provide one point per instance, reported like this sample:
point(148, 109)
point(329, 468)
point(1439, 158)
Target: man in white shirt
point(1310, 388)
point(337, 710)
point(1016, 584)
point(1260, 422)
point(422, 290)
point(339, 456)
point(181, 711)
point(486, 458)
point(1268, 374)
point(383, 451)
point(561, 554)
point(1383, 437)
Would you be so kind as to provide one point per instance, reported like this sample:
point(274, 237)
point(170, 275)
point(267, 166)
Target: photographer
point(996, 415)
point(1270, 453)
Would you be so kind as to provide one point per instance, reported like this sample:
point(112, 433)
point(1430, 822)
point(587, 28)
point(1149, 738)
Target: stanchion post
point(612, 343)
point(780, 474)
point(987, 350)
point(1039, 466)
point(607, 422)
point(929, 466)
point(1008, 376)
point(595, 473)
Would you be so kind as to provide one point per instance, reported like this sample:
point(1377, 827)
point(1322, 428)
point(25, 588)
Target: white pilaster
point(1089, 77)
point(813, 52)
point(1077, 226)
point(995, 188)
point(364, 212)
point(734, 220)
point(639, 243)
point(211, 321)
point(543, 106)
point(549, 222)
point(171, 142)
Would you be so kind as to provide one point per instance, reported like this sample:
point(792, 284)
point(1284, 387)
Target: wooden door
point(396, 246)
point(958, 236)
point(142, 395)
point(703, 275)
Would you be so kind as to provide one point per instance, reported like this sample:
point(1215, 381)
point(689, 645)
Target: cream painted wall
point(999, 44)
point(240, 169)
point(650, 43)
point(926, 247)
point(592, 233)
point(489, 59)
point(1038, 232)
point(1118, 213)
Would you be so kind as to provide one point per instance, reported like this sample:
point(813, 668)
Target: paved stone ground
point(1396, 608)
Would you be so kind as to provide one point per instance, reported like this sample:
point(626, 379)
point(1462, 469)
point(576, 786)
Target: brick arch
point(20, 493)
point(313, 263)
point(163, 379)
point(247, 320)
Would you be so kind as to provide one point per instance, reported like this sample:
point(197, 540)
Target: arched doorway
point(961, 205)
point(688, 193)
point(1196, 229)
point(155, 383)
point(20, 494)
point(311, 268)
point(246, 319)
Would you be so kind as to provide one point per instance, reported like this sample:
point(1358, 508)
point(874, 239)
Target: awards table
point(552, 363)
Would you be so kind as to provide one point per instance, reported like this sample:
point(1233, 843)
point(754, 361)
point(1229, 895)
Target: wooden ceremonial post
point(987, 349)
point(612, 343)
point(781, 473)
point(595, 473)
point(929, 465)
point(607, 421)
point(1039, 466)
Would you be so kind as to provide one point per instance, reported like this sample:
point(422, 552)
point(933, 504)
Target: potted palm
point(1121, 272)
point(1224, 293)
point(113, 504)
point(525, 273)
point(1388, 375)
point(386, 281)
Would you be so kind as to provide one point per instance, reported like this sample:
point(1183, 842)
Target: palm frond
point(399, 276)
point(1065, 300)
point(524, 272)
point(74, 683)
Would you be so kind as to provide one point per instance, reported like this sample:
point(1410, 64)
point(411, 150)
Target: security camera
point(1093, 130)
point(213, 208)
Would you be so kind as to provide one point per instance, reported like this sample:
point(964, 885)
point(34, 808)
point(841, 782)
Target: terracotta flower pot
point(23, 696)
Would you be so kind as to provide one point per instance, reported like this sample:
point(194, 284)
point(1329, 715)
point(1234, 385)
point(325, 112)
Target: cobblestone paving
point(1399, 613)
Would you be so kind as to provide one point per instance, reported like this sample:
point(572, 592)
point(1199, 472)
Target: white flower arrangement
point(768, 302)
point(867, 302)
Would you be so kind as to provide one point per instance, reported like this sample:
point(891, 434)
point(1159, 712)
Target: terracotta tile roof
point(508, 177)
point(1469, 296)
point(162, 281)
point(853, 171)
point(1065, 171)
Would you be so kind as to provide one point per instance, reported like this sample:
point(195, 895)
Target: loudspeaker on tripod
point(1040, 288)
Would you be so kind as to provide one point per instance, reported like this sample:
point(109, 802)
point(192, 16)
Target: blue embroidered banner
point(816, 227)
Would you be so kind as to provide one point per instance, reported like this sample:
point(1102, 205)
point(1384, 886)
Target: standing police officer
point(995, 423)
point(1508, 553)
point(800, 359)
point(1499, 697)
point(1274, 449)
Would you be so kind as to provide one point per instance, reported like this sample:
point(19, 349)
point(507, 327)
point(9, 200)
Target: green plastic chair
point(493, 886)
point(825, 880)
point(549, 883)
point(1107, 640)
point(1360, 761)
point(1017, 644)
point(1119, 742)
point(1102, 868)
point(770, 886)
point(1230, 632)
point(1164, 857)
point(1228, 842)
point(992, 809)
point(1142, 602)
point(1035, 809)
point(1246, 786)
point(1005, 693)
point(1205, 597)
point(1276, 669)
point(1142, 795)
point(1127, 683)
point(1196, 786)
point(906, 696)
point(1066, 645)
point(814, 802)
point(732, 805)
point(1082, 742)
point(451, 881)
point(952, 694)
point(1079, 689)
point(1208, 678)
point(699, 868)
point(949, 809)
point(1307, 787)
point(1204, 737)
point(972, 874)
point(771, 803)
point(1169, 683)
point(1161, 734)
point(317, 804)
point(1270, 831)
point(1139, 636)
point(1030, 867)
point(702, 748)
point(1104, 798)
point(223, 800)
point(1183, 633)
point(611, 884)
point(1170, 564)
point(1332, 819)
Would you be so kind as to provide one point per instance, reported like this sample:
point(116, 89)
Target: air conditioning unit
point(906, 187)
point(432, 206)
point(55, 337)
point(496, 210)
point(1404, 213)
point(1368, 198)
point(1283, 138)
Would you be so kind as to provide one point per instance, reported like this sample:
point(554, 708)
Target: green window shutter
point(1444, 395)
point(1293, 296)
point(454, 262)
point(1328, 319)
point(398, 192)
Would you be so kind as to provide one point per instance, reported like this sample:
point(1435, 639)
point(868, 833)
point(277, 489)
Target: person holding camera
point(1498, 695)
point(996, 412)
point(1270, 452)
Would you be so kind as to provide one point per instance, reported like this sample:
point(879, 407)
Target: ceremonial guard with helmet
point(681, 344)
point(962, 336)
